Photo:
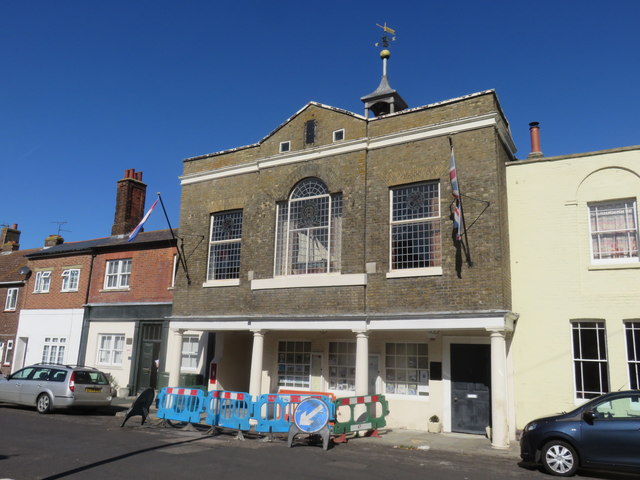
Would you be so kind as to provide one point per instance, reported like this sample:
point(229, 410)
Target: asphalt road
point(81, 445)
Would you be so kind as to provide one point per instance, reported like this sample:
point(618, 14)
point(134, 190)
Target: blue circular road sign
point(312, 415)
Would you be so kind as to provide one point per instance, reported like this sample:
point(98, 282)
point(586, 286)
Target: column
point(362, 363)
point(499, 411)
point(255, 380)
point(174, 362)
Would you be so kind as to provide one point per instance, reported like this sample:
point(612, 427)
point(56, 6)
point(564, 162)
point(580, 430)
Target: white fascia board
point(271, 325)
point(448, 324)
point(306, 281)
point(405, 136)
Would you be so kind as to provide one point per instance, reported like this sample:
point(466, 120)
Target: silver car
point(50, 386)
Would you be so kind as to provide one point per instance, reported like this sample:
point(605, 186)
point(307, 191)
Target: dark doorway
point(148, 356)
point(470, 388)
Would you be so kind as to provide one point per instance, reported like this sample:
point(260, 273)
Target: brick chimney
point(10, 238)
point(53, 240)
point(130, 197)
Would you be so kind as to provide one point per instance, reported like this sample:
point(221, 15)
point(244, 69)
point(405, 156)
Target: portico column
point(255, 380)
point(499, 422)
point(175, 361)
point(362, 363)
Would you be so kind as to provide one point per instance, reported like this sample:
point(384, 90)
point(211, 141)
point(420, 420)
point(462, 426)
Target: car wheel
point(43, 403)
point(559, 458)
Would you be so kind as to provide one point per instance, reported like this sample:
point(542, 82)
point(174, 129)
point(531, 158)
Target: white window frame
point(630, 231)
point(342, 366)
point(285, 146)
point(8, 351)
point(580, 361)
point(43, 282)
point(632, 341)
point(53, 350)
point(402, 363)
point(70, 280)
point(11, 302)
point(112, 349)
point(291, 364)
point(228, 244)
point(332, 203)
point(435, 268)
point(122, 274)
point(174, 271)
point(335, 134)
point(189, 358)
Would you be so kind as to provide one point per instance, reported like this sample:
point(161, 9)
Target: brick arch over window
point(329, 177)
point(308, 230)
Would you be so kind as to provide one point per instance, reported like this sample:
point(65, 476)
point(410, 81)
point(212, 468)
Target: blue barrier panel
point(180, 404)
point(275, 412)
point(229, 409)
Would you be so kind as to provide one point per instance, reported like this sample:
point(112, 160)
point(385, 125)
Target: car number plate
point(92, 389)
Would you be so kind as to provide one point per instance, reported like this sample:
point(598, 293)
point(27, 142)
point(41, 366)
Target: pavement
point(402, 438)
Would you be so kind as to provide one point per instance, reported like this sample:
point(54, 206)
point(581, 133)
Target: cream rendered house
point(575, 278)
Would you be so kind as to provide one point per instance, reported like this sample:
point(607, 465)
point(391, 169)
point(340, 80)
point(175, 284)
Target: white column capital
point(361, 333)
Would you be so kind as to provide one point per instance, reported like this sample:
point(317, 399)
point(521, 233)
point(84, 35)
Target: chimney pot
point(534, 133)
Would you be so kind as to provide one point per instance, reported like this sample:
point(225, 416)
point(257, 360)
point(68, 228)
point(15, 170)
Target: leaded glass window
point(224, 246)
point(309, 230)
point(415, 226)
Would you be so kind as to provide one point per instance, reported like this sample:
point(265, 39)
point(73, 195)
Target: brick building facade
point(324, 258)
point(102, 302)
point(14, 272)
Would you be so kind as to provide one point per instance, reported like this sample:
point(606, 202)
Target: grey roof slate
point(105, 242)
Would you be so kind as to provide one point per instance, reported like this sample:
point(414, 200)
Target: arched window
point(309, 230)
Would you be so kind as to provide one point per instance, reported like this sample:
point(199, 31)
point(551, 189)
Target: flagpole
point(178, 248)
point(467, 253)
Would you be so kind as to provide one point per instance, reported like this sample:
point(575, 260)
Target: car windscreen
point(91, 378)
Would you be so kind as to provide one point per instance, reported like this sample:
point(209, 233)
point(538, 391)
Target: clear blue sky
point(89, 89)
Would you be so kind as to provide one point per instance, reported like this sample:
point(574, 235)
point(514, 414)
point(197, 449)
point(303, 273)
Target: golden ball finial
point(385, 53)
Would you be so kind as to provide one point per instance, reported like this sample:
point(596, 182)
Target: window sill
point(311, 280)
point(232, 282)
point(69, 291)
point(114, 290)
point(415, 272)
point(614, 266)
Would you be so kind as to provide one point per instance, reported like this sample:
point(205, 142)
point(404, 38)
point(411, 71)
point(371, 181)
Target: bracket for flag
point(180, 247)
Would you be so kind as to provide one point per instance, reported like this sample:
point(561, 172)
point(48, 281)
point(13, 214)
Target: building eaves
point(113, 242)
point(573, 155)
point(288, 120)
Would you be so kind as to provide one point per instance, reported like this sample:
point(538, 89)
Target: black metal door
point(470, 388)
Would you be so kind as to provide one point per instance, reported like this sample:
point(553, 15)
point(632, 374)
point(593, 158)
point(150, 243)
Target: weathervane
point(384, 41)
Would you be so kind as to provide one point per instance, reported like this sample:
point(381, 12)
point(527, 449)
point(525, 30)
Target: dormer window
point(338, 135)
point(285, 146)
point(310, 132)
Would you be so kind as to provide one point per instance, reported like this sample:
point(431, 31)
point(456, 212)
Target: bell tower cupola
point(384, 99)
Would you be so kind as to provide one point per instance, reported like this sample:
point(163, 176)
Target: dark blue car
point(604, 433)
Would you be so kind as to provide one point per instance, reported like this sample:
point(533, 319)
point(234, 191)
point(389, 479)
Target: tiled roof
point(11, 263)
